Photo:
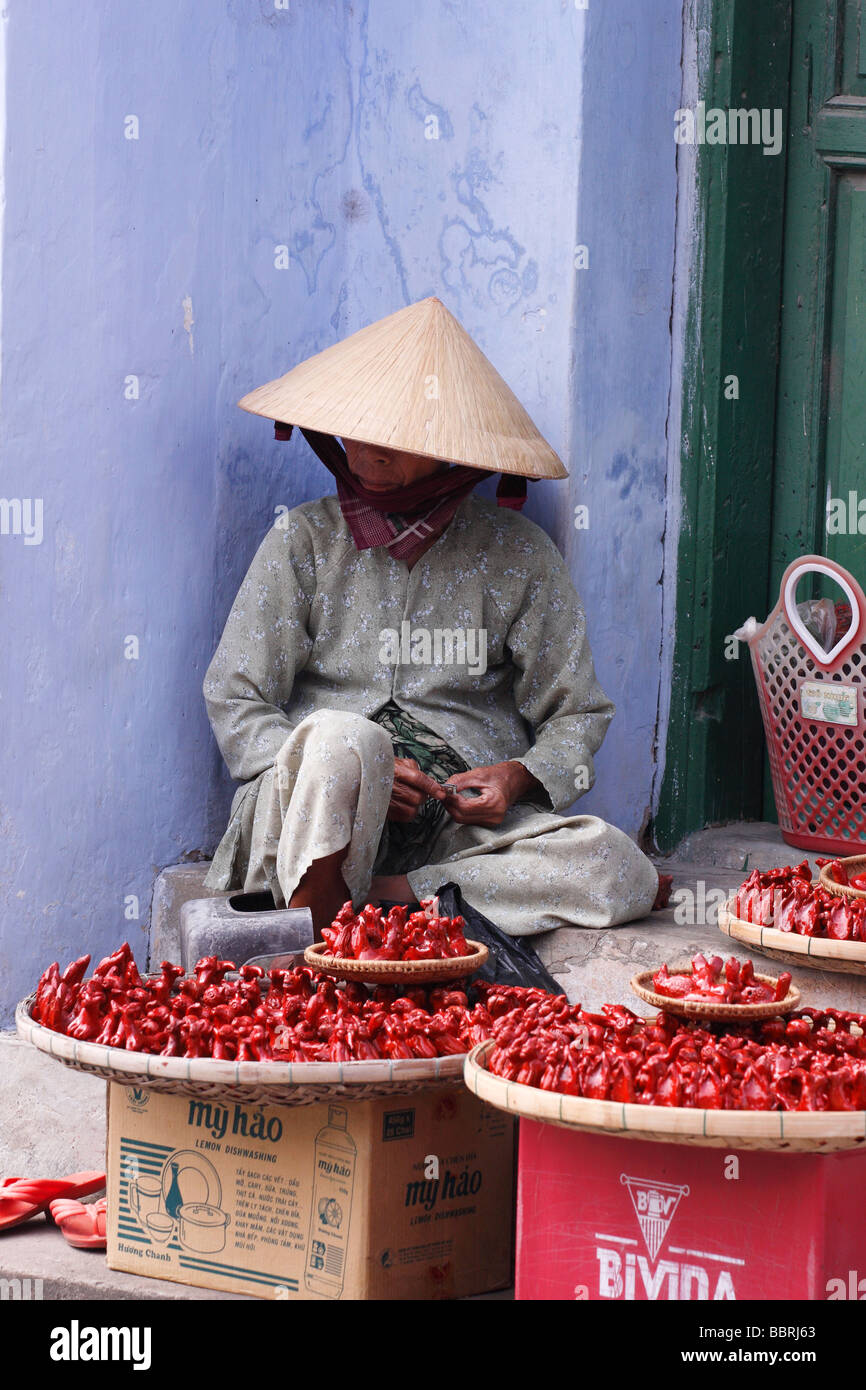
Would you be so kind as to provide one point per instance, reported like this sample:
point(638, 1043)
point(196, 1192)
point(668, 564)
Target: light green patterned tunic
point(320, 626)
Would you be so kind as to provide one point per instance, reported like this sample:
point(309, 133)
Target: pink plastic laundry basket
point(813, 704)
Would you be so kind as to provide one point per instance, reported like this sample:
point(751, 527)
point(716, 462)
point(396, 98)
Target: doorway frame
point(714, 753)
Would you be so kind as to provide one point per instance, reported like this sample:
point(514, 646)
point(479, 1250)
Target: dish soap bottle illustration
point(333, 1181)
point(173, 1198)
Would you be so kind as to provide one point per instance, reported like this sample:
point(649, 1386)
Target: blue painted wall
point(158, 258)
point(624, 398)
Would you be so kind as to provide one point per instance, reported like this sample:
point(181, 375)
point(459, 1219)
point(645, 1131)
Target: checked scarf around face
point(405, 520)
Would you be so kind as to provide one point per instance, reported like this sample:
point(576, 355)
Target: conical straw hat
point(414, 381)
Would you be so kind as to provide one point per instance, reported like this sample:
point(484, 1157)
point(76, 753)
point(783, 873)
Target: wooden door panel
point(821, 402)
point(845, 441)
point(852, 60)
point(821, 399)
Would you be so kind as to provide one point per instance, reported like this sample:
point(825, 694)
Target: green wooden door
point(781, 301)
point(711, 772)
point(819, 484)
point(820, 465)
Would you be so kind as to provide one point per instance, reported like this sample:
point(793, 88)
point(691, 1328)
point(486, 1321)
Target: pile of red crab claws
point(402, 935)
point(839, 874)
point(812, 1060)
point(296, 1015)
point(787, 900)
point(721, 982)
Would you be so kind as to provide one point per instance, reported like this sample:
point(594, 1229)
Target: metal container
point(240, 927)
point(202, 1227)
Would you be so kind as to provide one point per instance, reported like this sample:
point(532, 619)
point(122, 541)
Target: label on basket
point(828, 702)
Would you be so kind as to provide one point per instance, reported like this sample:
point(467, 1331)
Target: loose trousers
point(330, 786)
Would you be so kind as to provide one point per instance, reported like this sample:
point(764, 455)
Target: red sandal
point(81, 1223)
point(23, 1198)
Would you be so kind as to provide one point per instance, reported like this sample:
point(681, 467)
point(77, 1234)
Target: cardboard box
point(608, 1218)
point(404, 1198)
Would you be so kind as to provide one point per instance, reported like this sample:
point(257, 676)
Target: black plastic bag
point(512, 961)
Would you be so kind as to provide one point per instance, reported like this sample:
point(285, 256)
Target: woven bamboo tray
point(816, 952)
point(857, 862)
point(705, 1008)
point(782, 1131)
point(397, 972)
point(253, 1083)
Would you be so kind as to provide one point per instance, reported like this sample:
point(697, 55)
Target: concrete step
point(175, 886)
point(595, 967)
point(745, 845)
point(37, 1252)
point(739, 847)
point(36, 1262)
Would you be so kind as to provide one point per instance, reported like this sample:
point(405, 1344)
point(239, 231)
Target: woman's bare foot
point(322, 890)
point(393, 888)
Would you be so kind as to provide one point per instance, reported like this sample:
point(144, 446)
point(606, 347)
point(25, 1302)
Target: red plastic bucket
point(813, 704)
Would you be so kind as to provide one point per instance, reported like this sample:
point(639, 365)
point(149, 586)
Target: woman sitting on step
point(404, 688)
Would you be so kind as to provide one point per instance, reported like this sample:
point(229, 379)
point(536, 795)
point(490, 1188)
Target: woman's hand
point(411, 789)
point(499, 786)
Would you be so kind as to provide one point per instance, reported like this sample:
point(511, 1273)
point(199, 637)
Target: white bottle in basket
point(330, 1215)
